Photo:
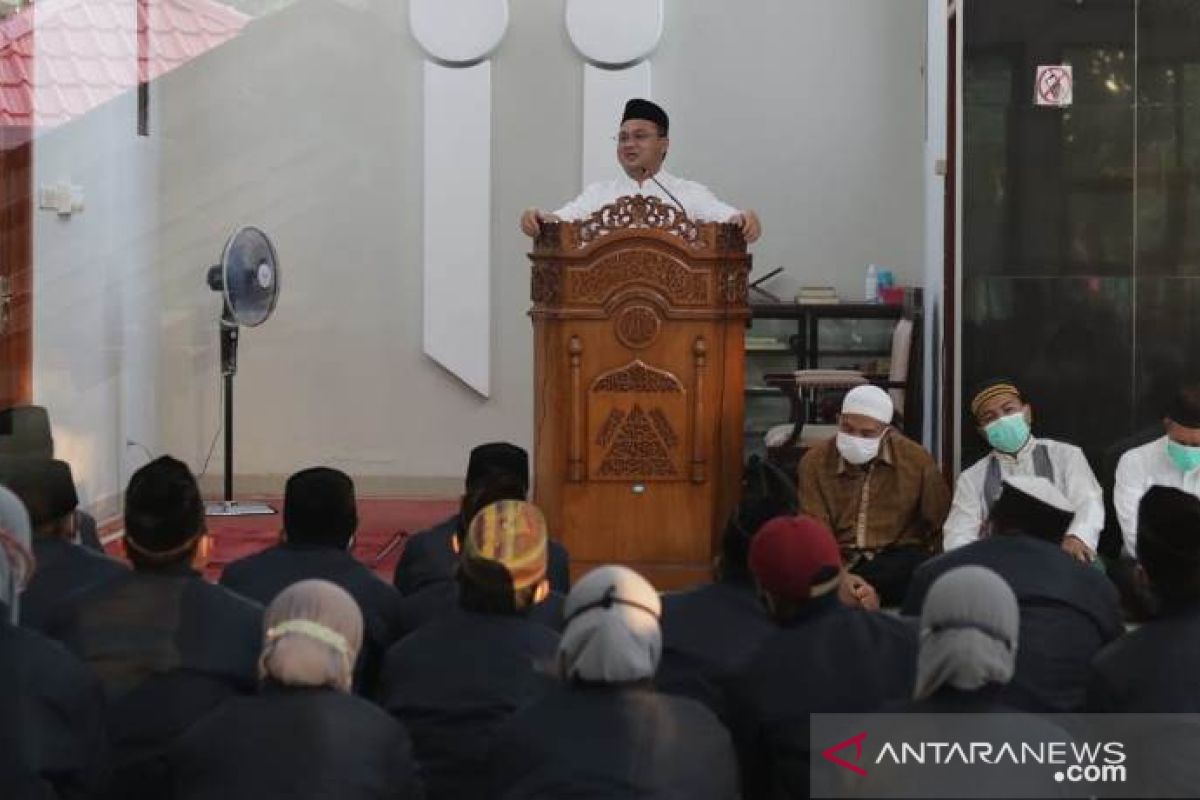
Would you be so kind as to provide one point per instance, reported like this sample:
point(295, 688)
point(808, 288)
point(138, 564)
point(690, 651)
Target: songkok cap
point(1035, 505)
point(319, 505)
point(795, 558)
point(869, 401)
point(1184, 407)
point(1169, 519)
point(510, 534)
point(644, 109)
point(25, 431)
point(993, 387)
point(45, 486)
point(498, 457)
point(1168, 542)
point(164, 515)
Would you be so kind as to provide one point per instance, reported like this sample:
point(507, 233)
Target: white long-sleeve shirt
point(700, 204)
point(1138, 470)
point(1073, 477)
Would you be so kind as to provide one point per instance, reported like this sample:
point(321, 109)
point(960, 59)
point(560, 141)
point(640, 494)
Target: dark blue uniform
point(63, 570)
point(298, 743)
point(613, 740)
point(454, 681)
point(264, 575)
point(831, 659)
point(1068, 612)
point(52, 741)
point(708, 633)
point(168, 648)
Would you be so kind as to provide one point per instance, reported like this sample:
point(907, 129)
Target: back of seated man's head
point(491, 487)
point(1032, 506)
point(164, 516)
point(502, 567)
point(493, 460)
point(47, 489)
point(767, 492)
point(319, 508)
point(25, 431)
point(1168, 543)
point(795, 562)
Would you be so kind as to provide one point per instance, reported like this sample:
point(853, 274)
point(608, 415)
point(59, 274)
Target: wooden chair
point(787, 443)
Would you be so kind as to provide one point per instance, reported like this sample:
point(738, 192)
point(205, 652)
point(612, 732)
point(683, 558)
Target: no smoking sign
point(1053, 85)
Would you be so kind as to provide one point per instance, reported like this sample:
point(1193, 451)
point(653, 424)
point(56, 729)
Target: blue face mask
point(1008, 434)
point(1186, 458)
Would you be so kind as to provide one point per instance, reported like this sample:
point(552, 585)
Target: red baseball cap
point(795, 558)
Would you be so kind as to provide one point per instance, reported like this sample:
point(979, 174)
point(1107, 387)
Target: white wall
point(811, 112)
point(95, 290)
point(309, 126)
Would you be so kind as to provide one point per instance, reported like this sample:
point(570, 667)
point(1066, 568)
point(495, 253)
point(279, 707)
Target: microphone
point(665, 189)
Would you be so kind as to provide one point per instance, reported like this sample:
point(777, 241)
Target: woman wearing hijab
point(51, 708)
point(968, 642)
point(970, 624)
point(605, 732)
point(304, 735)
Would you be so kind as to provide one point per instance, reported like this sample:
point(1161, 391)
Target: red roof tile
point(88, 51)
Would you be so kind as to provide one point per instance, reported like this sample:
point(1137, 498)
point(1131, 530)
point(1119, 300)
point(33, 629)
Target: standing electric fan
point(248, 279)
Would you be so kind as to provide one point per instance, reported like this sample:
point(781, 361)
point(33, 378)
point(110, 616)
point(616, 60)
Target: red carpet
point(382, 527)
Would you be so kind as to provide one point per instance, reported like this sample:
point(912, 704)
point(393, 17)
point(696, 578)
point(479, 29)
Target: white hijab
point(612, 633)
point(16, 555)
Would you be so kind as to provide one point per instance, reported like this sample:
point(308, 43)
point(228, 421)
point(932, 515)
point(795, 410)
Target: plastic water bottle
point(871, 285)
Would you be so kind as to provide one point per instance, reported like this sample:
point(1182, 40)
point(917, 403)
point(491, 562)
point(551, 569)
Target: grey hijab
point(969, 629)
point(16, 555)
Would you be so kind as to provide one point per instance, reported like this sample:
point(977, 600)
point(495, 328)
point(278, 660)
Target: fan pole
point(228, 507)
point(228, 380)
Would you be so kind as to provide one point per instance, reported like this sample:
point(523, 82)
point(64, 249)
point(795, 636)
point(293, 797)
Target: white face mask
point(857, 449)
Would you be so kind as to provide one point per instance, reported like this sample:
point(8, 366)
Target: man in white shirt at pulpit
point(641, 149)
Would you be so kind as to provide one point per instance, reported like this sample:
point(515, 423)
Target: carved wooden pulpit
point(639, 320)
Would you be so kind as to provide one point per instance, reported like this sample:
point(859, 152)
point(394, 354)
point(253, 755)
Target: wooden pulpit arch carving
point(639, 318)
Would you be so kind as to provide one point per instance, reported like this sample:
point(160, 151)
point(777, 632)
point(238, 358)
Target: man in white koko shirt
point(641, 148)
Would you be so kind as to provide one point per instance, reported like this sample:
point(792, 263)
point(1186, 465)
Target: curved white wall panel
point(614, 33)
point(458, 32)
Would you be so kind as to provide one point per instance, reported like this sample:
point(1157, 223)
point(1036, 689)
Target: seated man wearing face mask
point(1003, 418)
point(1172, 460)
point(879, 492)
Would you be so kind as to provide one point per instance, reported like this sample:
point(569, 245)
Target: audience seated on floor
point(604, 731)
point(880, 493)
point(431, 556)
point(167, 646)
point(710, 631)
point(320, 517)
point(1156, 668)
point(823, 657)
point(24, 434)
point(1069, 610)
point(970, 630)
point(1003, 418)
point(52, 741)
point(64, 568)
point(304, 735)
point(455, 680)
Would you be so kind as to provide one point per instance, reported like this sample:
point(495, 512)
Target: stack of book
point(816, 295)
